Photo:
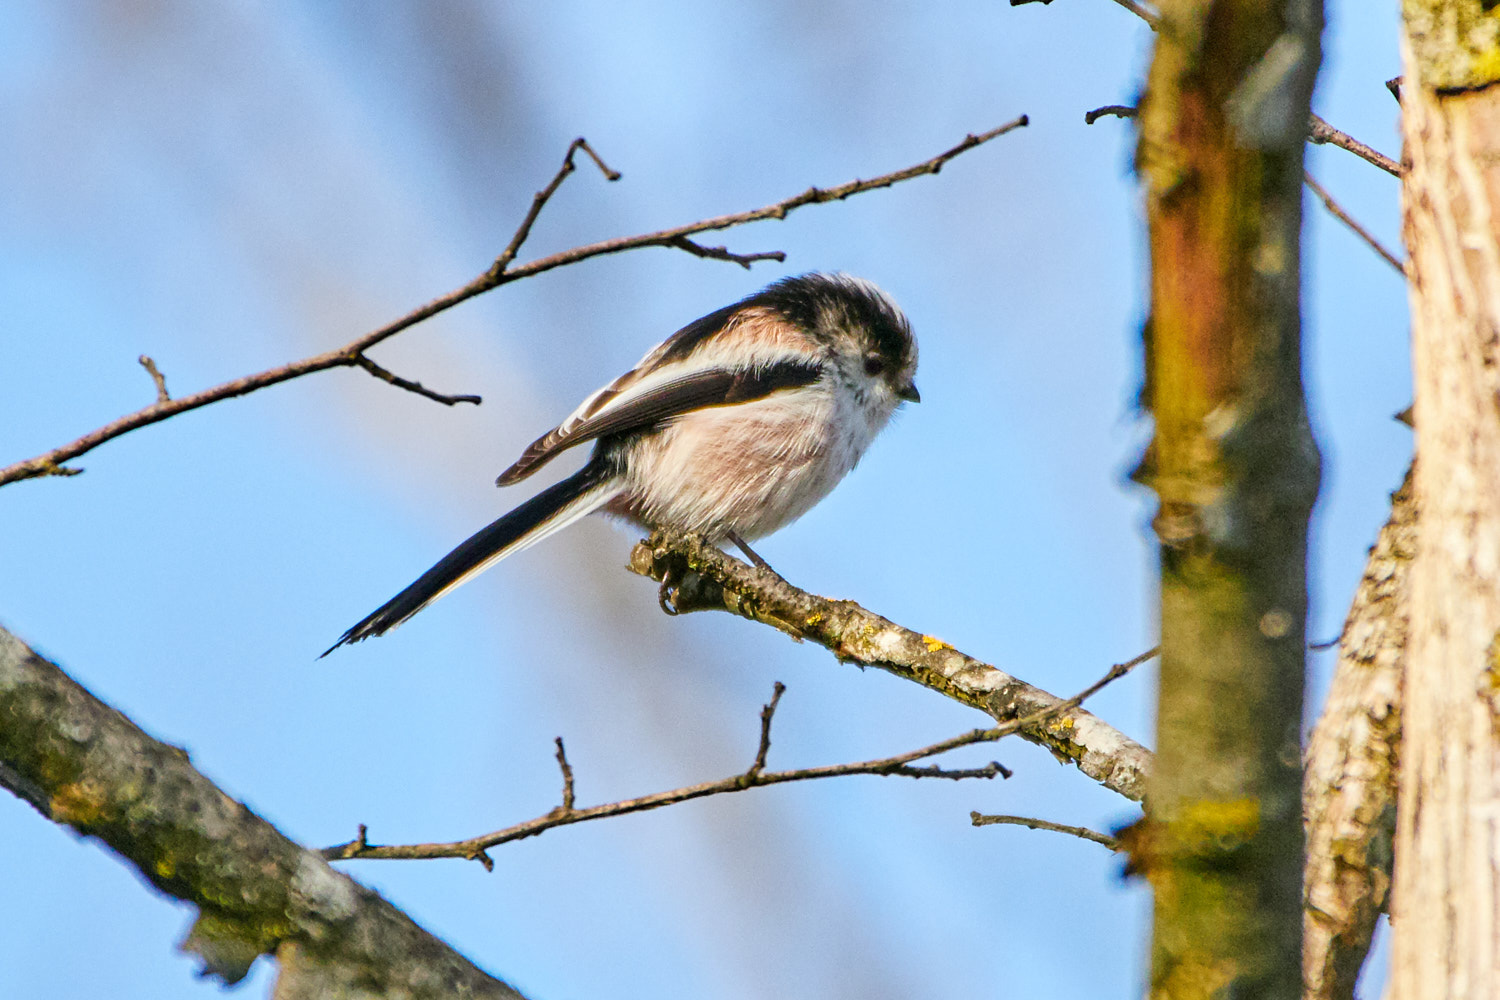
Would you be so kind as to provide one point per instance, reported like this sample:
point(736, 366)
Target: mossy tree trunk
point(1235, 469)
point(1446, 896)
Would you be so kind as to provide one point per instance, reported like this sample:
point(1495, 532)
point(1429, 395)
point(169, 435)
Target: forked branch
point(500, 272)
point(755, 776)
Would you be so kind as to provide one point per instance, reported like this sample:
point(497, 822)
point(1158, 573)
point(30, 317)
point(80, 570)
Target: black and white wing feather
point(688, 371)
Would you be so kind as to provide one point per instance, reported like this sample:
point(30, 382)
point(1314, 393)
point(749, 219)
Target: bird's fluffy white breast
point(750, 468)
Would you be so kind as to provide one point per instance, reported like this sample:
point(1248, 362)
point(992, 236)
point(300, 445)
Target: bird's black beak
point(909, 393)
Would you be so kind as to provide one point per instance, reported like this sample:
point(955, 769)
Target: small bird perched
point(731, 428)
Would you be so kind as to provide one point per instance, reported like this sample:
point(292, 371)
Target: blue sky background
point(227, 187)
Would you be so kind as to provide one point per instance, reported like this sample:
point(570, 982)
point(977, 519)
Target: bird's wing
point(683, 373)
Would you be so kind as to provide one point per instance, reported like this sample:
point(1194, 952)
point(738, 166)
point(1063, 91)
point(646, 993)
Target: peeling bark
point(1445, 907)
point(1349, 791)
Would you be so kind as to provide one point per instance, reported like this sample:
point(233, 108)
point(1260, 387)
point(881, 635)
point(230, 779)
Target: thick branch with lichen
point(83, 764)
point(702, 578)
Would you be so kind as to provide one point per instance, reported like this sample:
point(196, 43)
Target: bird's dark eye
point(874, 365)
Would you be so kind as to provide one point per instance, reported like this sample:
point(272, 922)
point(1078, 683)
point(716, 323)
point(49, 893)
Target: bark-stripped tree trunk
point(1235, 468)
point(1446, 897)
point(1349, 791)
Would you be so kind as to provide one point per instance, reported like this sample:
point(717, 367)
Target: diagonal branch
point(500, 272)
point(1337, 211)
point(1328, 134)
point(776, 210)
point(1320, 132)
point(755, 776)
point(476, 848)
point(386, 375)
point(706, 579)
point(84, 765)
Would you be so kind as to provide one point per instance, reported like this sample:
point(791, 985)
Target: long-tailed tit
point(732, 427)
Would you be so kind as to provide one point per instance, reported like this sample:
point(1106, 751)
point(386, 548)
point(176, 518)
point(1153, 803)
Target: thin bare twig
point(723, 253)
point(1082, 832)
point(1320, 132)
point(385, 375)
point(1139, 10)
point(1318, 129)
point(567, 774)
point(476, 848)
point(156, 376)
point(1338, 213)
point(540, 199)
point(1114, 110)
point(777, 210)
point(766, 712)
point(499, 273)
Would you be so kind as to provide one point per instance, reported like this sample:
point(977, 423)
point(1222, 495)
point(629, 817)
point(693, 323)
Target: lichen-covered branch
point(702, 578)
point(1349, 786)
point(85, 765)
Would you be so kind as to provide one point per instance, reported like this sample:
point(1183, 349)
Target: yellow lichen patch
point(815, 619)
point(933, 643)
point(165, 867)
point(1063, 748)
point(1489, 680)
point(1486, 65)
point(78, 804)
point(1214, 823)
point(1492, 668)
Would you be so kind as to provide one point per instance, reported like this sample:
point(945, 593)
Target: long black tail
point(549, 511)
